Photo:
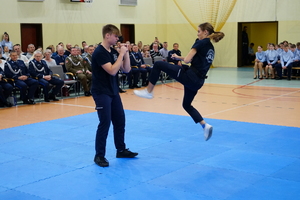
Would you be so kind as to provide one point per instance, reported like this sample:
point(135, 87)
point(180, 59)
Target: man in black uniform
point(106, 63)
point(17, 70)
point(38, 69)
point(5, 91)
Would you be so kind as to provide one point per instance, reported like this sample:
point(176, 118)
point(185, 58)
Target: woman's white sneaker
point(143, 93)
point(207, 131)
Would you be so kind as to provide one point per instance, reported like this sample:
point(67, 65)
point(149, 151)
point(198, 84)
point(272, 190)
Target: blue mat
point(54, 160)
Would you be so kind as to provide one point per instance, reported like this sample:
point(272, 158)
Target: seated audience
point(164, 51)
point(259, 62)
point(74, 64)
point(154, 52)
point(5, 54)
point(68, 50)
point(251, 54)
point(145, 52)
point(5, 90)
point(159, 45)
point(47, 58)
point(17, 70)
point(286, 60)
point(30, 51)
point(60, 58)
point(271, 58)
point(17, 49)
point(137, 67)
point(176, 51)
point(6, 42)
point(39, 70)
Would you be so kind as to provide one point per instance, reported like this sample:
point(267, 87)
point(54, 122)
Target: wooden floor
point(246, 103)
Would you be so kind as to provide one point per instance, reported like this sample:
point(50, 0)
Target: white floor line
point(251, 103)
point(74, 105)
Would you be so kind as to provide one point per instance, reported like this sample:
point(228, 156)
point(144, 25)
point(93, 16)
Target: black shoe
point(126, 154)
point(278, 78)
point(136, 86)
point(87, 94)
point(8, 104)
point(144, 84)
point(46, 99)
point(25, 101)
point(288, 79)
point(31, 101)
point(101, 161)
point(131, 87)
point(121, 91)
point(53, 97)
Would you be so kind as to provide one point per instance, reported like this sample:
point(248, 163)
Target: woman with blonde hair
point(47, 58)
point(201, 57)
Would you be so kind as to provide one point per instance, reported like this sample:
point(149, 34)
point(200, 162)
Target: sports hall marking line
point(199, 91)
point(233, 90)
point(81, 106)
point(271, 98)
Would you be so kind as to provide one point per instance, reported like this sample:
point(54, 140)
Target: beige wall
point(74, 22)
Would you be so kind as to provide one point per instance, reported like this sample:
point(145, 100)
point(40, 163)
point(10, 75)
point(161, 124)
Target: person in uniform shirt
point(137, 67)
point(17, 48)
point(271, 59)
point(88, 58)
point(6, 41)
point(5, 90)
point(60, 58)
point(286, 63)
point(201, 57)
point(39, 69)
point(260, 58)
point(17, 70)
point(106, 63)
point(75, 64)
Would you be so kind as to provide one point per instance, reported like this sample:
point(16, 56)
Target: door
point(31, 34)
point(259, 33)
point(128, 33)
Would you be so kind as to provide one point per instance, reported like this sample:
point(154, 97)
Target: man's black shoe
point(87, 94)
point(8, 104)
point(46, 99)
point(126, 154)
point(53, 98)
point(121, 91)
point(31, 101)
point(136, 86)
point(101, 161)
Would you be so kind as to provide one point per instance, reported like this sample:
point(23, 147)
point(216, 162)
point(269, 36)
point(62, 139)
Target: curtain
point(215, 12)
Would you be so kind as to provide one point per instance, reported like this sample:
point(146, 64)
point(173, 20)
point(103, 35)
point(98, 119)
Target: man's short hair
point(83, 42)
point(111, 29)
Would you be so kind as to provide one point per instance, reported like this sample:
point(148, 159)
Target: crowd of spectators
point(277, 61)
point(28, 71)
